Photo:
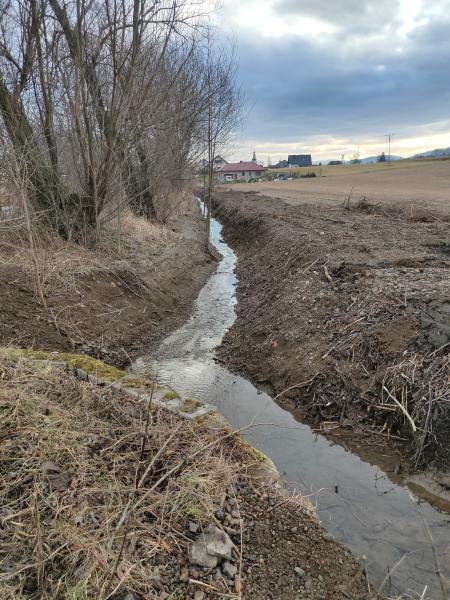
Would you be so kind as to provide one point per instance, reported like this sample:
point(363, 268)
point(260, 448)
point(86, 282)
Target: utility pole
point(389, 135)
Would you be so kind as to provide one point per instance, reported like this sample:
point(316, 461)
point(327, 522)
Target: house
point(282, 164)
point(299, 160)
point(241, 171)
point(218, 163)
point(201, 168)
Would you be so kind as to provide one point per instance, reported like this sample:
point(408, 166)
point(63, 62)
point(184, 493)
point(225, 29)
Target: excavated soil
point(117, 307)
point(329, 301)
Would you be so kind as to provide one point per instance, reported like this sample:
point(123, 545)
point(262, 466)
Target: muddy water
point(382, 522)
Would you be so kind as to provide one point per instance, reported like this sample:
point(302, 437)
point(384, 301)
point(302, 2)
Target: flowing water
point(380, 521)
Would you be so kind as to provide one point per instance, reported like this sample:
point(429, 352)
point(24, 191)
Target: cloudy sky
point(327, 76)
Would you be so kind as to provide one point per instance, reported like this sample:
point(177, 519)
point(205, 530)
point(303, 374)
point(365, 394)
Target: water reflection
point(379, 520)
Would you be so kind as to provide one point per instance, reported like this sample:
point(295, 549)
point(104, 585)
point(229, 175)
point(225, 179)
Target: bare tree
point(106, 99)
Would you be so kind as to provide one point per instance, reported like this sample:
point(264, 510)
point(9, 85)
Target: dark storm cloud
point(299, 88)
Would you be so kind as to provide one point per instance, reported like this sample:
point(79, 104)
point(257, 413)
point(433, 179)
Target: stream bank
point(109, 302)
point(344, 316)
point(381, 522)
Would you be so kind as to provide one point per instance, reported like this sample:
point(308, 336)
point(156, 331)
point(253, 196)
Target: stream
point(382, 522)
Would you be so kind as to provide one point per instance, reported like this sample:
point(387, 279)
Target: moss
point(190, 406)
point(75, 361)
point(139, 383)
point(194, 512)
point(171, 395)
point(259, 455)
point(92, 366)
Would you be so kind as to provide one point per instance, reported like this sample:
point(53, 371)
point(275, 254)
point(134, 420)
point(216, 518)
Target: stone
point(184, 576)
point(49, 467)
point(199, 595)
point(230, 530)
point(193, 527)
point(157, 583)
point(210, 547)
point(300, 572)
point(229, 569)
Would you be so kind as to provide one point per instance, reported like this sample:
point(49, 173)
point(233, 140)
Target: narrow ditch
point(382, 522)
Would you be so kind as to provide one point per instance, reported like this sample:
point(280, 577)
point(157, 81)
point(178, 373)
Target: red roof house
point(241, 171)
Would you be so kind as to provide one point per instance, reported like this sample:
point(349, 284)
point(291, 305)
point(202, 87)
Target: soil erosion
point(343, 313)
point(107, 302)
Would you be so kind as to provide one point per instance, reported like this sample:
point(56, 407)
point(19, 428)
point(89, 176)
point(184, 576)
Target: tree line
point(106, 103)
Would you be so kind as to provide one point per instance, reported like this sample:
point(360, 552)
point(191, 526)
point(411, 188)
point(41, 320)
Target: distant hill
point(374, 159)
point(438, 153)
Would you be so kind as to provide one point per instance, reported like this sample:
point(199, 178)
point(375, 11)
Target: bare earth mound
point(346, 315)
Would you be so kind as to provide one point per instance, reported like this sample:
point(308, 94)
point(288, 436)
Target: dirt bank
point(104, 496)
point(345, 315)
point(110, 302)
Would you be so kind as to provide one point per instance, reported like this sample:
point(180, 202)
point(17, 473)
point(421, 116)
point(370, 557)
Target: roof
point(241, 166)
point(298, 159)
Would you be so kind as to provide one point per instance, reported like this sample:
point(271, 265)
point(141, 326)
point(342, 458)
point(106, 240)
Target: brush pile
point(97, 490)
point(416, 391)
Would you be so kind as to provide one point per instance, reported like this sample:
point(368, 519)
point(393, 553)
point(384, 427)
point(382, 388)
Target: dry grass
point(62, 264)
point(70, 462)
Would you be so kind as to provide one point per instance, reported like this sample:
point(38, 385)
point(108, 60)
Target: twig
point(402, 408)
point(297, 385)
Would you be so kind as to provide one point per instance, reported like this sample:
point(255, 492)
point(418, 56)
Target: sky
point(327, 77)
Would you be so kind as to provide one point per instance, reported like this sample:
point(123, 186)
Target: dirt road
point(345, 314)
point(413, 186)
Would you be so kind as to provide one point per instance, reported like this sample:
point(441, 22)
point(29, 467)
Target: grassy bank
point(110, 300)
point(104, 495)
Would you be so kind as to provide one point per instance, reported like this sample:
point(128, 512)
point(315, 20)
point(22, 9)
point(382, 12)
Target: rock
point(294, 530)
point(199, 595)
point(156, 582)
point(229, 569)
point(49, 467)
point(209, 547)
point(300, 572)
point(184, 575)
point(193, 527)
